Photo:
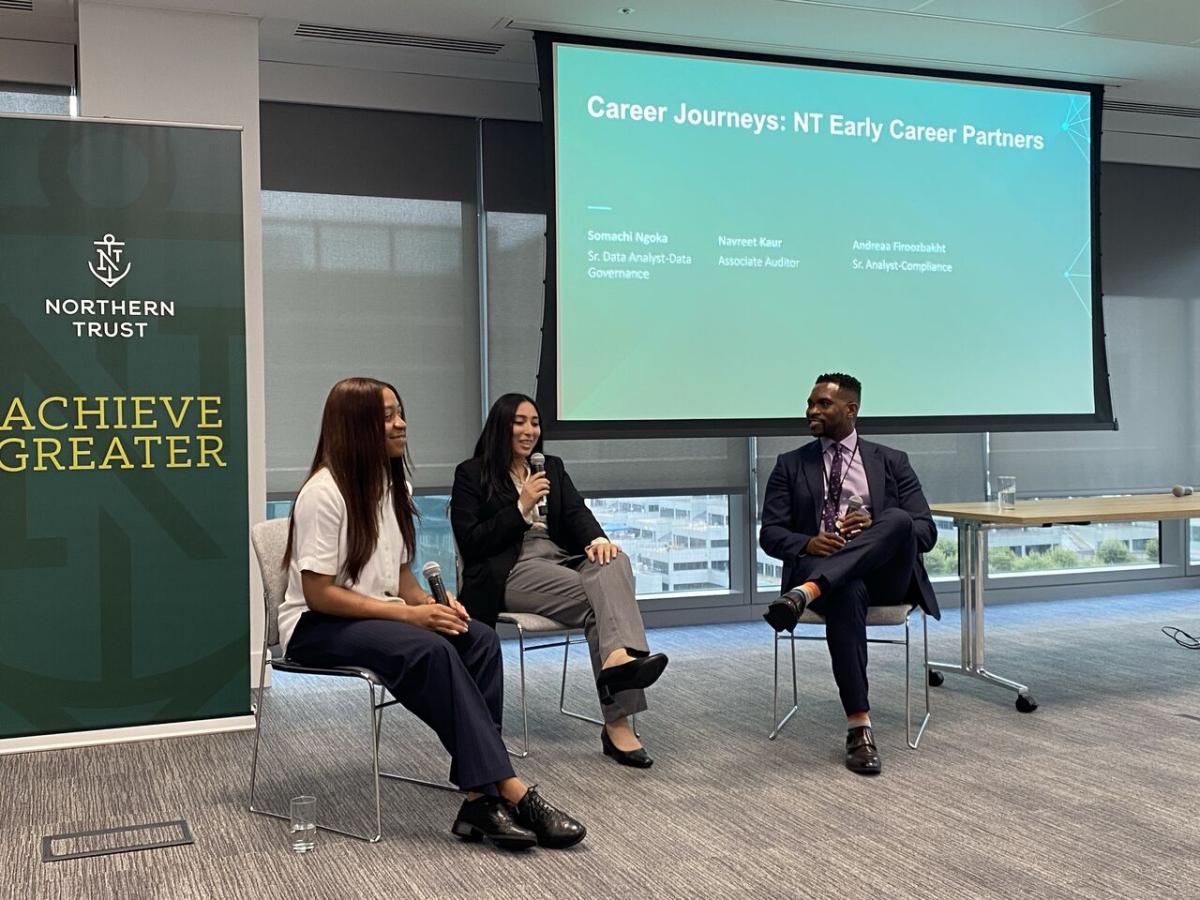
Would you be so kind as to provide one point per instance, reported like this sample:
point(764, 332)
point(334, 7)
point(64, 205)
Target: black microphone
point(537, 463)
point(1182, 490)
point(433, 574)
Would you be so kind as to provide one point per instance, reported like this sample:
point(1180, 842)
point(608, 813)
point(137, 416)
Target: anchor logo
point(109, 250)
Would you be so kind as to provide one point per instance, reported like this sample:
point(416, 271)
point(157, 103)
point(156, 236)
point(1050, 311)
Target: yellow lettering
point(16, 410)
point(82, 412)
point(177, 421)
point(177, 445)
point(116, 450)
point(144, 441)
point(209, 408)
point(141, 410)
point(19, 459)
point(215, 452)
point(81, 449)
point(46, 423)
point(47, 449)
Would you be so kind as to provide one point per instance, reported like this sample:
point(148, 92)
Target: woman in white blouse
point(352, 599)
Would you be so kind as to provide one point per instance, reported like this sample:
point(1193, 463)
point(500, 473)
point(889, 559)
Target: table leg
point(972, 554)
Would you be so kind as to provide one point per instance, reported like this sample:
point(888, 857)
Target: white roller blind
point(377, 286)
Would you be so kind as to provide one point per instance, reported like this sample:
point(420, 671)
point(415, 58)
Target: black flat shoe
point(553, 827)
point(784, 613)
point(638, 758)
point(637, 674)
point(491, 818)
point(862, 757)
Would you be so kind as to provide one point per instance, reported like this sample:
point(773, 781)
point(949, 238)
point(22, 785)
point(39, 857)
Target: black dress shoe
point(862, 757)
point(638, 758)
point(784, 613)
point(490, 817)
point(553, 827)
point(637, 674)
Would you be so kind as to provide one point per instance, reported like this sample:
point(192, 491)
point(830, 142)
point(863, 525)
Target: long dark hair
point(352, 446)
point(494, 447)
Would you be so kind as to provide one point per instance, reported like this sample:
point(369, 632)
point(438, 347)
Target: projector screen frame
point(547, 377)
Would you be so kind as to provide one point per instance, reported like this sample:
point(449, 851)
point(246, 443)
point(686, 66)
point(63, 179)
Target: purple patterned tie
point(833, 493)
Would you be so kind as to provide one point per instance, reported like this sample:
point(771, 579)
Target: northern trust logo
point(109, 250)
point(105, 317)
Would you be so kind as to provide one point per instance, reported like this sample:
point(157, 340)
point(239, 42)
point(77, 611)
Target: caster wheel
point(1025, 703)
point(936, 678)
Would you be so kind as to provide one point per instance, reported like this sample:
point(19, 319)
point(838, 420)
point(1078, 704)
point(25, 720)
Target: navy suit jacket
point(791, 514)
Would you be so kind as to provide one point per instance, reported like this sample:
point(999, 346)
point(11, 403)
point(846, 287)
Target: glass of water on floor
point(303, 833)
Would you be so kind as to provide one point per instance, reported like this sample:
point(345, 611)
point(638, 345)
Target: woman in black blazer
point(529, 544)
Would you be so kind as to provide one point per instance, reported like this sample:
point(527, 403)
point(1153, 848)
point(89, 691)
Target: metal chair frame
point(908, 731)
point(569, 637)
point(376, 704)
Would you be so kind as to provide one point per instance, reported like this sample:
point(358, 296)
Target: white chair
point(876, 616)
point(270, 541)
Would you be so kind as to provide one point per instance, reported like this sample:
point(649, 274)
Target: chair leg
point(779, 723)
point(258, 718)
point(562, 694)
point(913, 743)
point(524, 709)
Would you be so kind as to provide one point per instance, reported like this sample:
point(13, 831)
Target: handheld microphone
point(433, 574)
point(1182, 490)
point(854, 504)
point(537, 463)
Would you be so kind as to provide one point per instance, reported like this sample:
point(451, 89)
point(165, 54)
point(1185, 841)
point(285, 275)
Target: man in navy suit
point(839, 557)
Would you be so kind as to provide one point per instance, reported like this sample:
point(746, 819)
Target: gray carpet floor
point(1092, 796)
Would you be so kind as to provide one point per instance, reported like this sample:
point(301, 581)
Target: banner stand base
point(34, 743)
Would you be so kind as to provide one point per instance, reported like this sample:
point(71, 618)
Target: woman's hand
point(603, 552)
point(441, 619)
point(536, 487)
point(459, 608)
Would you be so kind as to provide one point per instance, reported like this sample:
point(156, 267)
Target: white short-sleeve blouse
point(319, 545)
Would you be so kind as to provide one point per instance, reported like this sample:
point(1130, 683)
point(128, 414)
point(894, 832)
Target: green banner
point(123, 517)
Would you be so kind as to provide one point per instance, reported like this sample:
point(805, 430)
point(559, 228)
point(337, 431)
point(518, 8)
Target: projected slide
point(727, 229)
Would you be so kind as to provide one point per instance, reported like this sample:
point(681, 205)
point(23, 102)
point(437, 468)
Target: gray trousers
point(580, 594)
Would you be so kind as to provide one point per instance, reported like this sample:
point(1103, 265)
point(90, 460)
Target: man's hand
point(852, 523)
point(603, 552)
point(824, 544)
point(442, 619)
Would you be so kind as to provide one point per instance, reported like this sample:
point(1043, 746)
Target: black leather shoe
point(553, 827)
point(637, 674)
point(862, 757)
point(490, 817)
point(784, 613)
point(638, 758)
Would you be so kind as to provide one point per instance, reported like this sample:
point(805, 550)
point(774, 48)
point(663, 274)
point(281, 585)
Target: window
point(670, 540)
point(1107, 545)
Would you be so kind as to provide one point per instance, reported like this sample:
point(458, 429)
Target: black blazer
point(791, 514)
point(489, 531)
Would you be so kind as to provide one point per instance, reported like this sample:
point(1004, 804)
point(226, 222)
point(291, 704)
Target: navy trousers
point(455, 685)
point(875, 568)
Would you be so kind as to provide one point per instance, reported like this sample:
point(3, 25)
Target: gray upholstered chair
point(895, 616)
point(532, 624)
point(270, 540)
